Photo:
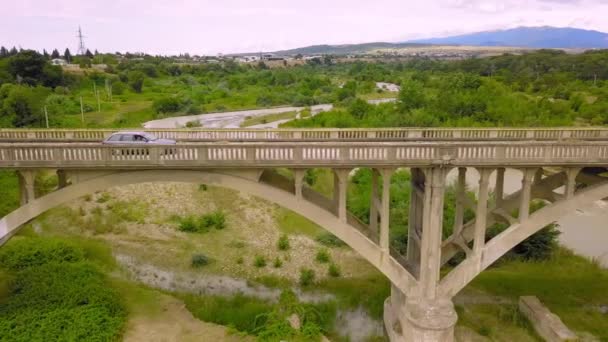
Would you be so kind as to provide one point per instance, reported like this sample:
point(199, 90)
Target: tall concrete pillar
point(571, 174)
point(526, 187)
point(373, 208)
point(385, 209)
point(298, 175)
point(415, 216)
point(340, 188)
point(423, 314)
point(499, 189)
point(62, 179)
point(26, 186)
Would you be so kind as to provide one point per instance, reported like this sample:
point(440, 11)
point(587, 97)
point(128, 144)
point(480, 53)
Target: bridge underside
point(420, 306)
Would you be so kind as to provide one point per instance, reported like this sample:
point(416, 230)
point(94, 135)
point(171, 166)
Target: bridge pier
point(26, 186)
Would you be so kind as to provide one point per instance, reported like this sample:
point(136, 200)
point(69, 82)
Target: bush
point(170, 104)
point(240, 260)
point(199, 260)
point(24, 253)
point(277, 263)
point(283, 243)
point(202, 224)
point(188, 224)
point(307, 277)
point(330, 240)
point(334, 270)
point(216, 220)
point(259, 261)
point(56, 295)
point(322, 256)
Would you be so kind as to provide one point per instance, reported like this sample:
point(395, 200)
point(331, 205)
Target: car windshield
point(149, 137)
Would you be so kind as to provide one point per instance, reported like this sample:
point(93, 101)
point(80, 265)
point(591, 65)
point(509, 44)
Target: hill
point(532, 37)
point(346, 49)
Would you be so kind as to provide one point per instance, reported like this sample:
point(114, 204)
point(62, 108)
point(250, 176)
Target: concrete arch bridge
point(562, 171)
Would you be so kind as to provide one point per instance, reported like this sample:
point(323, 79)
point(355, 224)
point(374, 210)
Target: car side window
point(115, 137)
point(139, 138)
point(127, 137)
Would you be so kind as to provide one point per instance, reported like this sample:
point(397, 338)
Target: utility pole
point(97, 95)
point(81, 111)
point(46, 117)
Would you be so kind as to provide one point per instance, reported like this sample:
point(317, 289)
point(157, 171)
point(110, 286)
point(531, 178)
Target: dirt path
point(175, 323)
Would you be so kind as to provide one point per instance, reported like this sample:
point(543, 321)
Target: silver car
point(128, 138)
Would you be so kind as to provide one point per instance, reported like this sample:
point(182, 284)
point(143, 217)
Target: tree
point(411, 96)
point(136, 80)
point(45, 54)
point(55, 54)
point(13, 51)
point(67, 55)
point(28, 65)
point(88, 53)
point(96, 52)
point(21, 106)
point(3, 52)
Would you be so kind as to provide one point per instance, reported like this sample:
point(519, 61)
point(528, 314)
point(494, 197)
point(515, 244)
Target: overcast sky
point(225, 26)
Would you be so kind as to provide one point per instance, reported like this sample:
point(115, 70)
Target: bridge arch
point(11, 223)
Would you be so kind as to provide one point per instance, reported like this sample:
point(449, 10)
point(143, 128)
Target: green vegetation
point(334, 270)
point(199, 260)
point(203, 223)
point(56, 294)
point(9, 192)
point(277, 263)
point(307, 277)
point(330, 240)
point(262, 119)
point(292, 223)
point(283, 243)
point(259, 261)
point(322, 256)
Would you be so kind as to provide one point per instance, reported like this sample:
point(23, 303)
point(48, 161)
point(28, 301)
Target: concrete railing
point(303, 154)
point(383, 134)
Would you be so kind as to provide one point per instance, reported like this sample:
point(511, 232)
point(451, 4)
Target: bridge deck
point(303, 154)
point(375, 134)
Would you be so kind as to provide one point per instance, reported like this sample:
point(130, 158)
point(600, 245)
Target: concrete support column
point(481, 212)
point(373, 208)
point(526, 187)
point(340, 188)
point(499, 189)
point(415, 216)
point(385, 209)
point(571, 174)
point(298, 175)
point(432, 227)
point(460, 198)
point(425, 315)
point(62, 179)
point(538, 175)
point(26, 186)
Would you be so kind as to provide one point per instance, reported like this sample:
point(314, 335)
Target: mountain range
point(530, 37)
point(545, 37)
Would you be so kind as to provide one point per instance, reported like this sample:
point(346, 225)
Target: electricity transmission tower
point(81, 49)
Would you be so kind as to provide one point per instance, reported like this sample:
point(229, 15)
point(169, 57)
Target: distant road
point(234, 119)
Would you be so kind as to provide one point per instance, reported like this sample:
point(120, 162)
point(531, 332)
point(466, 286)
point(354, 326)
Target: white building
point(59, 61)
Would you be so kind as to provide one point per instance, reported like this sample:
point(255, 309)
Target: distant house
point(59, 61)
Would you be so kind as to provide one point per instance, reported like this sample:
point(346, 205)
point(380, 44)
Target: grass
point(499, 322)
point(348, 292)
point(9, 192)
point(283, 242)
point(569, 285)
point(292, 223)
point(322, 256)
point(263, 119)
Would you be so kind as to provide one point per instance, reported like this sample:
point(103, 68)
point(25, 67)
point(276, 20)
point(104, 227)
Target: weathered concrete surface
point(548, 325)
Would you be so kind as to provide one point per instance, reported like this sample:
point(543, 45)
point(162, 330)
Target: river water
point(584, 232)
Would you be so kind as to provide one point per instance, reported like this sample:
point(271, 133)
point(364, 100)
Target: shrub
point(169, 104)
point(104, 198)
point(202, 187)
point(193, 224)
point(259, 261)
point(188, 224)
point(330, 240)
point(277, 263)
point(307, 277)
point(334, 270)
point(240, 260)
point(56, 295)
point(24, 253)
point(199, 260)
point(322, 256)
point(216, 220)
point(283, 243)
